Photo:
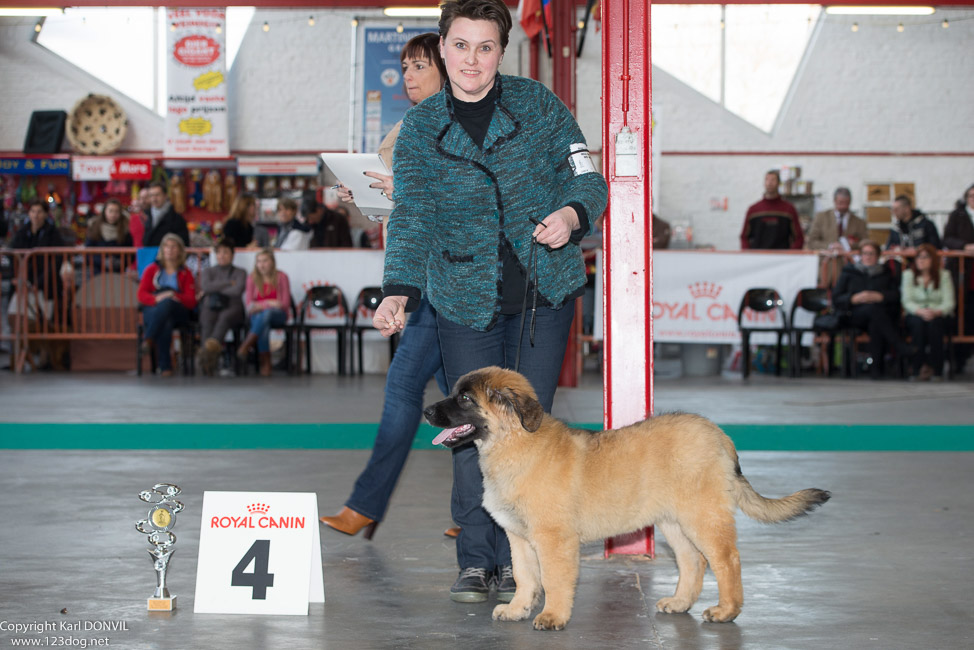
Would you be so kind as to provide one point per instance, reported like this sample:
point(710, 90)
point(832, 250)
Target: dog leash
point(532, 279)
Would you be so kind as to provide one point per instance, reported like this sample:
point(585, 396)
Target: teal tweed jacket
point(456, 202)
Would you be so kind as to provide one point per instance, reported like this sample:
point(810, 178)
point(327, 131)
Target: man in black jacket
point(912, 227)
point(959, 235)
point(163, 219)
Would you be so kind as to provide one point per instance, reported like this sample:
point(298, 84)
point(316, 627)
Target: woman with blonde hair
point(268, 298)
point(928, 299)
point(167, 293)
point(240, 226)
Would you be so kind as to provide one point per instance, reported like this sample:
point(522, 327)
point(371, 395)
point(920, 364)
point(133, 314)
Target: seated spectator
point(268, 305)
point(329, 229)
point(49, 274)
point(928, 299)
point(222, 287)
point(292, 235)
point(959, 235)
point(837, 230)
point(869, 296)
point(162, 218)
point(110, 229)
point(167, 293)
point(772, 223)
point(239, 224)
point(912, 227)
point(138, 216)
point(661, 233)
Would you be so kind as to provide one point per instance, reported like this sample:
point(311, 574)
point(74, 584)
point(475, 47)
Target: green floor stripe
point(799, 437)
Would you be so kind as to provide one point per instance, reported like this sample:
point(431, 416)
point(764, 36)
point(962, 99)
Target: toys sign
point(110, 169)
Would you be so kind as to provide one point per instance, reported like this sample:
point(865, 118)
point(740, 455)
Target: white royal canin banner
point(196, 113)
point(696, 294)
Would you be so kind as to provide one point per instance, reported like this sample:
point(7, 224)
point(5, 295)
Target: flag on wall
point(531, 18)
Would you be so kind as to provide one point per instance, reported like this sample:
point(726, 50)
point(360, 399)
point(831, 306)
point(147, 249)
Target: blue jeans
point(160, 320)
point(263, 322)
point(482, 543)
point(417, 359)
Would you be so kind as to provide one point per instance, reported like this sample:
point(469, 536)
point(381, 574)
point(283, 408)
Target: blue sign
point(36, 166)
point(384, 99)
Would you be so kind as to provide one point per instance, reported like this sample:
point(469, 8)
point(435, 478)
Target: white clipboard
point(348, 168)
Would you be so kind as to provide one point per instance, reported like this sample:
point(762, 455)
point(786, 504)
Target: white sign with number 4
point(260, 553)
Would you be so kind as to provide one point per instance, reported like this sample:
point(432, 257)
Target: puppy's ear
point(528, 409)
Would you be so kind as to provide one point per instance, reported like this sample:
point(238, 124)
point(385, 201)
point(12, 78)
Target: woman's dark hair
point(224, 242)
point(934, 254)
point(493, 10)
point(94, 228)
point(425, 46)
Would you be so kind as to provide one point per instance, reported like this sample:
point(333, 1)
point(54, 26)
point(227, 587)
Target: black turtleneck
point(475, 117)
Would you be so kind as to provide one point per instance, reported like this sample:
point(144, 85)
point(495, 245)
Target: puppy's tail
point(772, 511)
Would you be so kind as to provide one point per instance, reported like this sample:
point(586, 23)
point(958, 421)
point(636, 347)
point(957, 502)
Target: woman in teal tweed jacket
point(480, 170)
point(456, 202)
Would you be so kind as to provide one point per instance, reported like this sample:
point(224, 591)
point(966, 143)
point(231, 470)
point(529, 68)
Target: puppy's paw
point(721, 614)
point(510, 613)
point(673, 605)
point(550, 621)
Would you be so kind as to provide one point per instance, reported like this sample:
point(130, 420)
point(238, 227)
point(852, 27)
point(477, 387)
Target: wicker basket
point(96, 125)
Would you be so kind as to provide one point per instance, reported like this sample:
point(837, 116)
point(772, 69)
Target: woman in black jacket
point(110, 229)
point(870, 295)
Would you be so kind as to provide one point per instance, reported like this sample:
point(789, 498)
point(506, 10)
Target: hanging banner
point(384, 99)
point(85, 168)
point(196, 85)
point(35, 166)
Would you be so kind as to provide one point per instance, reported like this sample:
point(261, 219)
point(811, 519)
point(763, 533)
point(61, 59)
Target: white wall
point(35, 79)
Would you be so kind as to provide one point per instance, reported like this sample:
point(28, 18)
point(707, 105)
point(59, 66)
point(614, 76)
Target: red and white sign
point(196, 84)
point(260, 553)
point(277, 165)
point(89, 168)
point(696, 294)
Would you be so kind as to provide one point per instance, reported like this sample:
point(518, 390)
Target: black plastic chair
point(360, 321)
point(761, 300)
point(818, 302)
point(330, 302)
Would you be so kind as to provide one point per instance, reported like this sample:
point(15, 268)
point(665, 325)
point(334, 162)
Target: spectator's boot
point(248, 343)
point(264, 359)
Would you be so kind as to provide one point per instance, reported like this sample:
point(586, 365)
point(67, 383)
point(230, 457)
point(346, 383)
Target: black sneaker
point(504, 579)
point(470, 587)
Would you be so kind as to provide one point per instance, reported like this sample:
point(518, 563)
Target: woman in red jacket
point(167, 293)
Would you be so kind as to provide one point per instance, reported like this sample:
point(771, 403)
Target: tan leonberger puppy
point(554, 488)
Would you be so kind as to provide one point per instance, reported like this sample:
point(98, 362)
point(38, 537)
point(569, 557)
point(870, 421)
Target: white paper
point(349, 168)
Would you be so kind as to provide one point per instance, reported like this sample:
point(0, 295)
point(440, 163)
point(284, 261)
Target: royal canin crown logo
point(261, 508)
point(705, 290)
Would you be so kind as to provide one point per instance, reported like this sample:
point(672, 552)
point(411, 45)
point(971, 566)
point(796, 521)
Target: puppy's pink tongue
point(443, 435)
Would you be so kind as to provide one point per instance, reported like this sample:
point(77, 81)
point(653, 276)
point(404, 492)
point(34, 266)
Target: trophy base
point(161, 604)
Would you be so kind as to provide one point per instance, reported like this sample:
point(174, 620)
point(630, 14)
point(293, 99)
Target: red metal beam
point(371, 4)
point(627, 238)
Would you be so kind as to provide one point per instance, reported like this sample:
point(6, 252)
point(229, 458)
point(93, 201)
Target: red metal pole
point(627, 233)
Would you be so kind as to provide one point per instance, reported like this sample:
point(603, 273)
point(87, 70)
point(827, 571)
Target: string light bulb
point(354, 22)
point(311, 21)
point(219, 29)
point(722, 24)
point(399, 28)
point(266, 27)
point(172, 27)
point(900, 28)
point(37, 27)
point(945, 24)
point(855, 27)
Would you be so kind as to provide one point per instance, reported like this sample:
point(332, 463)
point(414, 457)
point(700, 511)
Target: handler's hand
point(344, 194)
point(390, 315)
point(384, 183)
point(557, 227)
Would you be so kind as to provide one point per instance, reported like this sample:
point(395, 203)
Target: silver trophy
point(158, 526)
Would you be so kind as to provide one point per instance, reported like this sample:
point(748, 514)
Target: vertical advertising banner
point(196, 84)
point(384, 100)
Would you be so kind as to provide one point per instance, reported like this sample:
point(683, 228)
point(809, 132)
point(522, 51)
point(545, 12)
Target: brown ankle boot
point(350, 522)
point(210, 356)
point(248, 343)
point(264, 359)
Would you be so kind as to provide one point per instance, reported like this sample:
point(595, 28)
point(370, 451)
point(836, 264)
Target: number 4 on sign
point(259, 579)
point(260, 553)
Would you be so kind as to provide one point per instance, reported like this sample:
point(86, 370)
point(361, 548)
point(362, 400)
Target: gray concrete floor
point(886, 564)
